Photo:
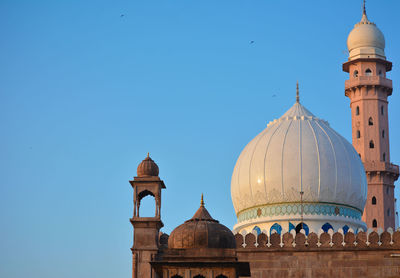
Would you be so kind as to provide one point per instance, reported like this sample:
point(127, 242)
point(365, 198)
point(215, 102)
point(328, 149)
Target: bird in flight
point(122, 15)
point(251, 42)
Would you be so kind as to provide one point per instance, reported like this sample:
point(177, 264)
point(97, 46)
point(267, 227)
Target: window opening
point(368, 72)
point(355, 73)
point(383, 133)
point(276, 227)
point(358, 134)
point(374, 223)
point(382, 110)
point(374, 200)
point(326, 227)
point(371, 144)
point(384, 157)
point(302, 226)
point(357, 110)
point(370, 121)
point(345, 229)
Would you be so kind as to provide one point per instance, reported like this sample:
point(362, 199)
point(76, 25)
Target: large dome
point(366, 40)
point(298, 153)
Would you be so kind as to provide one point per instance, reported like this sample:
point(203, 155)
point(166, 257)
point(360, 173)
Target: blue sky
point(85, 93)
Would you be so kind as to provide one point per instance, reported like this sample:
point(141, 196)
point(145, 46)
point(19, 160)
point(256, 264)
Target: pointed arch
point(326, 227)
point(345, 229)
point(374, 223)
point(373, 201)
point(303, 226)
point(370, 121)
point(257, 229)
point(368, 72)
point(276, 227)
point(371, 144)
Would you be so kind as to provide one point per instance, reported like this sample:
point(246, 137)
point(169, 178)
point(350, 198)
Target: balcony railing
point(368, 80)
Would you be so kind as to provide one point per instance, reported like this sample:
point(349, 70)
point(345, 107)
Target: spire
point(202, 201)
point(364, 11)
point(148, 154)
point(297, 93)
point(364, 18)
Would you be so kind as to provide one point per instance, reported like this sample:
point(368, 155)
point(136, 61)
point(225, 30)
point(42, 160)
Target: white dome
point(298, 152)
point(366, 40)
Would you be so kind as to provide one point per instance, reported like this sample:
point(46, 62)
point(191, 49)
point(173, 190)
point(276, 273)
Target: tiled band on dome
point(290, 209)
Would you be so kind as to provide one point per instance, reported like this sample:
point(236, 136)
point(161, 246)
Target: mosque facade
point(308, 202)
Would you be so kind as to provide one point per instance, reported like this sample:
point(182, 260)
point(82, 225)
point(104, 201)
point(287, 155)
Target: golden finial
point(148, 154)
point(364, 10)
point(297, 92)
point(202, 200)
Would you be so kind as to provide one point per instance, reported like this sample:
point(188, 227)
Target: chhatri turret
point(368, 90)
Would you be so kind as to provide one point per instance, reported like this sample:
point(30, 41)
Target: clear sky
point(87, 88)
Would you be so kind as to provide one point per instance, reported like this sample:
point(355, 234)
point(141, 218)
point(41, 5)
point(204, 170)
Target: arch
point(326, 227)
point(199, 276)
point(370, 121)
point(371, 144)
point(374, 223)
point(388, 212)
point(357, 110)
point(345, 229)
point(276, 227)
point(373, 201)
point(303, 226)
point(382, 110)
point(147, 206)
point(368, 72)
point(291, 227)
point(176, 276)
point(383, 133)
point(384, 157)
point(355, 73)
point(358, 134)
point(221, 276)
point(257, 229)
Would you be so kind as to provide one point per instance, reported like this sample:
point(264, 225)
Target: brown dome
point(147, 168)
point(201, 231)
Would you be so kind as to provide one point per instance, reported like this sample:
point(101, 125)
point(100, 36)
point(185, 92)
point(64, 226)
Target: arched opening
point(373, 201)
point(199, 276)
point(383, 133)
point(291, 227)
point(221, 276)
point(276, 227)
point(368, 72)
point(326, 227)
point(345, 229)
point(374, 223)
point(355, 73)
point(257, 229)
point(384, 157)
point(176, 276)
point(358, 134)
point(357, 110)
point(302, 226)
point(371, 144)
point(147, 206)
point(388, 212)
point(370, 121)
point(382, 110)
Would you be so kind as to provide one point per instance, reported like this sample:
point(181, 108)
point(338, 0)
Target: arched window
point(257, 229)
point(383, 133)
point(374, 200)
point(374, 223)
point(276, 227)
point(326, 227)
point(368, 72)
point(355, 73)
point(384, 157)
point(357, 110)
point(221, 276)
point(370, 121)
point(358, 134)
point(345, 229)
point(371, 144)
point(382, 110)
point(302, 226)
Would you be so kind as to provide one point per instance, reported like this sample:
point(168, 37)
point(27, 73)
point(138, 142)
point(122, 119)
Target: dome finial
point(148, 154)
point(364, 11)
point(202, 201)
point(364, 18)
point(297, 92)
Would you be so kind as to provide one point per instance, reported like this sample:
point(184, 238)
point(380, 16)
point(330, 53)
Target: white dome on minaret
point(366, 40)
point(298, 153)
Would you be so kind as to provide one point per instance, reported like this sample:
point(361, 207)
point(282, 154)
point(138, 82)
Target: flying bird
point(122, 15)
point(251, 42)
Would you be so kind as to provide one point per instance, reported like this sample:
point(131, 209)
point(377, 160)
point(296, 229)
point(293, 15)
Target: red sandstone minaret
point(368, 90)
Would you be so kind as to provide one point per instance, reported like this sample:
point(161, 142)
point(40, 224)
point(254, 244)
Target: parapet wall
point(365, 254)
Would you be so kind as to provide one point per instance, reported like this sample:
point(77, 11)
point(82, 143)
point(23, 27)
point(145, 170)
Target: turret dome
point(366, 40)
point(298, 163)
point(147, 168)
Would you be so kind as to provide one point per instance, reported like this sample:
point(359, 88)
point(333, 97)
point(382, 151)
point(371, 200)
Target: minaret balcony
point(380, 166)
point(368, 81)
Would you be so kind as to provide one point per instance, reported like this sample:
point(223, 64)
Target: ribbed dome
point(147, 168)
point(298, 152)
point(201, 231)
point(366, 40)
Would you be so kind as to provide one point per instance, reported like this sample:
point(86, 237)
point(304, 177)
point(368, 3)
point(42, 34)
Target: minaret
point(368, 90)
point(146, 229)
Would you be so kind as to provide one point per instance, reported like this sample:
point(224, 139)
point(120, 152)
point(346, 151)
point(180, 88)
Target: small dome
point(366, 40)
point(201, 231)
point(147, 168)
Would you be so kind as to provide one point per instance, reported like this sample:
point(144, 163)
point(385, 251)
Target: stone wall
point(365, 254)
